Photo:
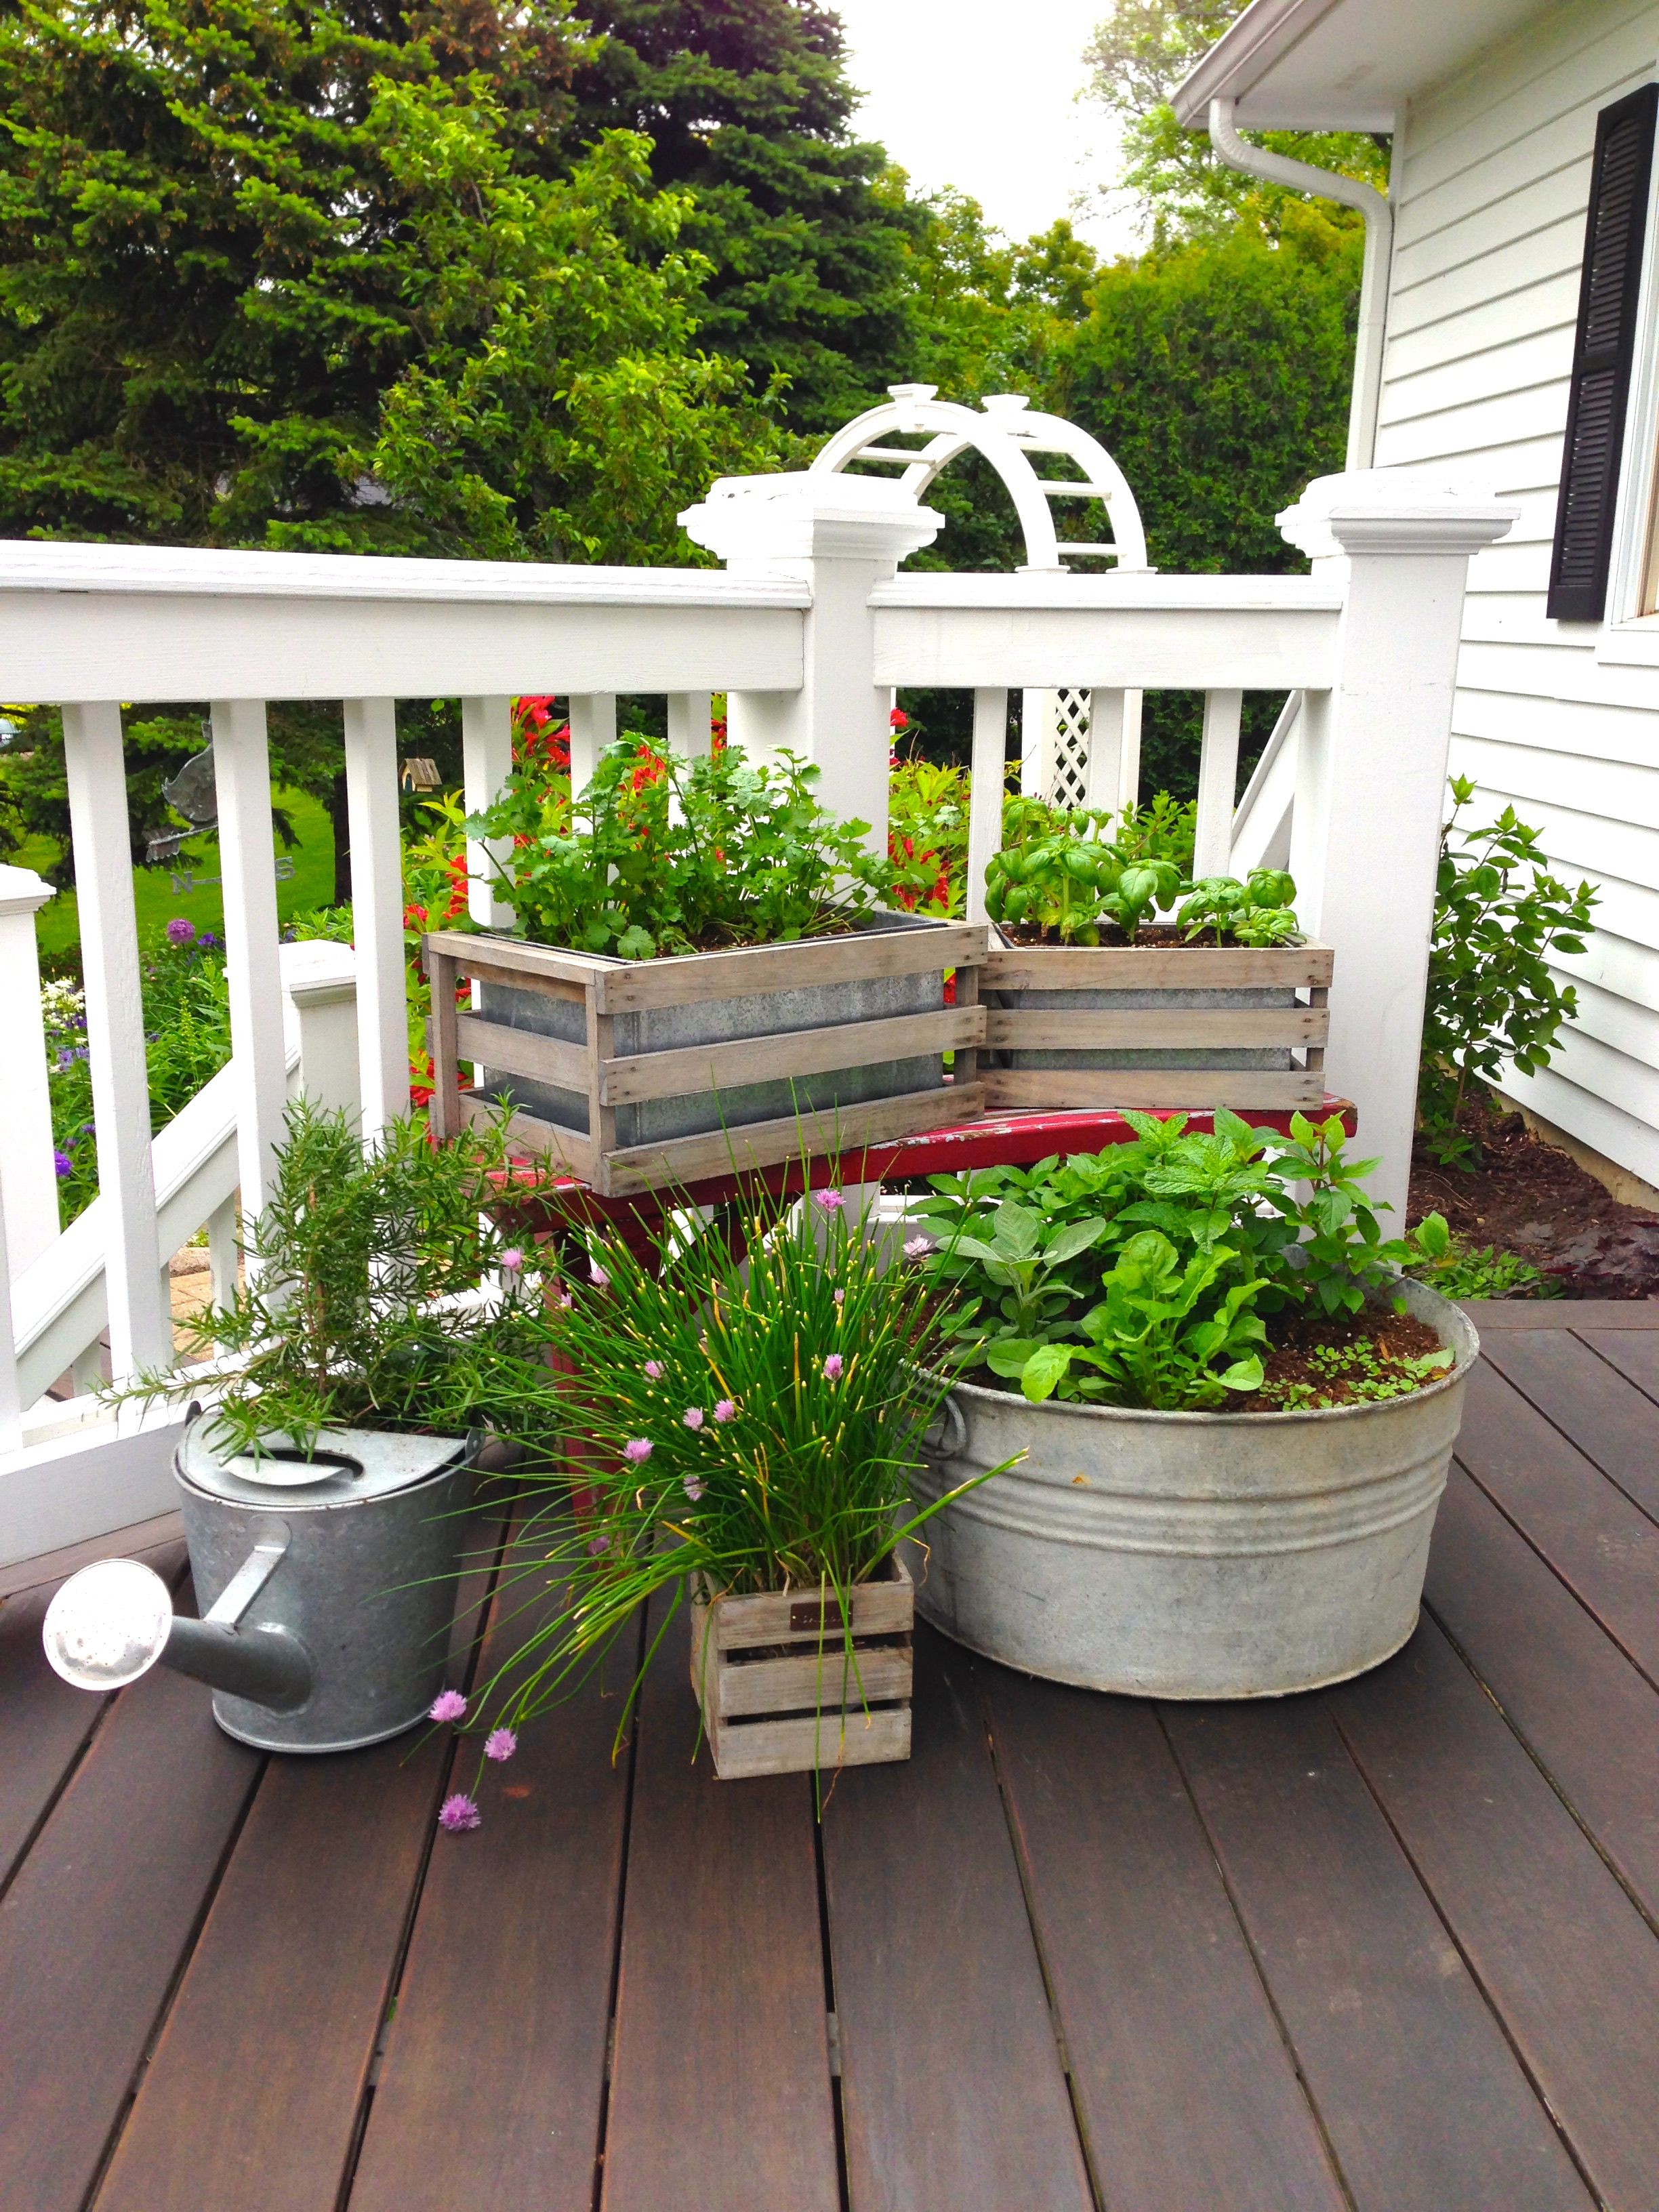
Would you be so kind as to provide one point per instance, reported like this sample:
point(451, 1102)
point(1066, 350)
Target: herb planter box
point(778, 1691)
point(631, 1072)
point(1180, 1026)
point(1192, 1555)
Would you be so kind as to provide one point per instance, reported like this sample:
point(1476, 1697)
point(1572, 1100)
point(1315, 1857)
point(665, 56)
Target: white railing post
point(486, 764)
point(11, 1396)
point(843, 535)
point(28, 1183)
point(321, 1020)
point(1371, 776)
point(247, 858)
point(1218, 779)
point(140, 1327)
point(376, 910)
point(985, 793)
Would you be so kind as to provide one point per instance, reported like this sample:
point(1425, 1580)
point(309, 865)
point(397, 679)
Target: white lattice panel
point(1066, 748)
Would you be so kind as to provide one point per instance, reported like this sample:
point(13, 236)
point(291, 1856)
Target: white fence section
point(808, 630)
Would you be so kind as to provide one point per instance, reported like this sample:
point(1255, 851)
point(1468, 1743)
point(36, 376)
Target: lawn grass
point(311, 883)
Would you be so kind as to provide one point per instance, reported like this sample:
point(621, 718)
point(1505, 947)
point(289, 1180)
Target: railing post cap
point(318, 972)
point(22, 891)
point(1394, 511)
point(802, 515)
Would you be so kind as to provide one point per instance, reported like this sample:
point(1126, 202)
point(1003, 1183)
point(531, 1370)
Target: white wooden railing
point(809, 629)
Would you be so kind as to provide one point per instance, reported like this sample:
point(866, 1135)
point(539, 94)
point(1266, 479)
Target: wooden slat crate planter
point(634, 1073)
point(779, 1693)
point(1149, 1026)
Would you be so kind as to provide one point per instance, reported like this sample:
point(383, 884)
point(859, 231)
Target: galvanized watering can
point(327, 1584)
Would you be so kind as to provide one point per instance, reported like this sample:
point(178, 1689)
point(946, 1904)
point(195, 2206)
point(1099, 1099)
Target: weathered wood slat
point(810, 1682)
point(720, 2092)
point(802, 1743)
point(96, 1923)
point(1608, 1419)
point(1154, 968)
point(44, 1723)
point(1550, 1667)
point(671, 1074)
point(507, 1051)
point(765, 1143)
point(1421, 2099)
point(952, 2091)
point(881, 1607)
point(1188, 2094)
point(1061, 1090)
point(492, 2088)
point(1603, 1547)
point(1078, 1028)
point(564, 1150)
point(1561, 1951)
point(854, 957)
point(553, 965)
point(443, 1112)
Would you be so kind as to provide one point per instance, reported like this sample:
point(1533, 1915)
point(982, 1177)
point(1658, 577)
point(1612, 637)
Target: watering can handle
point(948, 1434)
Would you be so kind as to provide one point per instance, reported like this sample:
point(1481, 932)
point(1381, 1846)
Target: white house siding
point(1491, 180)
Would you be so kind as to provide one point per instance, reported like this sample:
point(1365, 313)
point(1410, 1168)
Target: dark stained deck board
point(953, 2094)
point(500, 2103)
point(1605, 1548)
point(1420, 2095)
point(1550, 1667)
point(1570, 1965)
point(720, 2086)
point(97, 1923)
point(1188, 2093)
point(1607, 1417)
point(44, 1723)
point(1634, 1353)
point(1576, 1313)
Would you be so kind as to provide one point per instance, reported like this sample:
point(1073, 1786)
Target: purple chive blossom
point(832, 1367)
point(448, 1705)
point(692, 1488)
point(726, 1410)
point(638, 1449)
point(596, 1276)
point(654, 1369)
point(180, 932)
point(500, 1743)
point(599, 1544)
point(562, 1301)
point(457, 1812)
point(512, 1260)
point(828, 1201)
point(62, 1165)
point(918, 1248)
point(841, 1297)
point(693, 1417)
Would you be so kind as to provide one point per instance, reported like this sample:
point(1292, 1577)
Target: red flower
point(898, 719)
point(950, 988)
point(413, 917)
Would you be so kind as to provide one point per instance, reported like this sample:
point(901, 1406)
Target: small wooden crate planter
point(779, 1693)
point(630, 1073)
point(1155, 1026)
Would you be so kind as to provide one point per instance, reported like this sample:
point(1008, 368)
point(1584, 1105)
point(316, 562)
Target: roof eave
point(1243, 54)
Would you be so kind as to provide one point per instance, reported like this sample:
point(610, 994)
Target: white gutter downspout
point(1303, 177)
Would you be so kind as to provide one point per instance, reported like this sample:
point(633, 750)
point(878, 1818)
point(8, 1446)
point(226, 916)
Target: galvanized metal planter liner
point(779, 1693)
point(1191, 1555)
point(1155, 1025)
point(630, 1073)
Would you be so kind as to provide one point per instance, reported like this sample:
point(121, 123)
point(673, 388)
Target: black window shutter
point(1601, 358)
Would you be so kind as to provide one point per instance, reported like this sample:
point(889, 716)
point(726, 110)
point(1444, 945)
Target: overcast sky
point(982, 94)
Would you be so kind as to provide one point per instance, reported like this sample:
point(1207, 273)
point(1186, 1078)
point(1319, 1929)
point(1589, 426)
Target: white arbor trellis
point(1079, 748)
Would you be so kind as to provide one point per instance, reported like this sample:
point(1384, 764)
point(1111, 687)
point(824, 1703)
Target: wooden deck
point(1390, 1947)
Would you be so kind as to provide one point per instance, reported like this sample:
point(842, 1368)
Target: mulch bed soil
point(1529, 1197)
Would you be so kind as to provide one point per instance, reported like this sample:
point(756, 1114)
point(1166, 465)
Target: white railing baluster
point(11, 1399)
point(241, 772)
point(28, 1183)
point(376, 910)
point(140, 1331)
point(486, 764)
point(222, 1226)
point(985, 800)
point(690, 729)
point(1128, 775)
point(1218, 779)
point(1106, 720)
point(592, 727)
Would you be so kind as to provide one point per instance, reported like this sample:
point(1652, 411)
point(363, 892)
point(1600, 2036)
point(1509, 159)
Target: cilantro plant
point(1150, 1273)
point(663, 855)
point(1458, 1270)
point(1357, 1374)
point(1492, 996)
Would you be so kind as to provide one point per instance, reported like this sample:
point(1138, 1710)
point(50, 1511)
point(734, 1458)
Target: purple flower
point(596, 1276)
point(62, 1165)
point(841, 1297)
point(828, 1201)
point(207, 942)
point(726, 1410)
point(512, 1260)
point(562, 1301)
point(447, 1705)
point(692, 1488)
point(693, 1417)
point(180, 932)
point(457, 1812)
point(599, 1544)
point(918, 1248)
point(654, 1369)
point(500, 1743)
point(638, 1449)
point(832, 1367)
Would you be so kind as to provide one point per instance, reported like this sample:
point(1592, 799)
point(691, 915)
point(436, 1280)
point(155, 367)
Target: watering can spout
point(114, 1620)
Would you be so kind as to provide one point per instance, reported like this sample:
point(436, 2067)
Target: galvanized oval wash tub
point(1190, 1555)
